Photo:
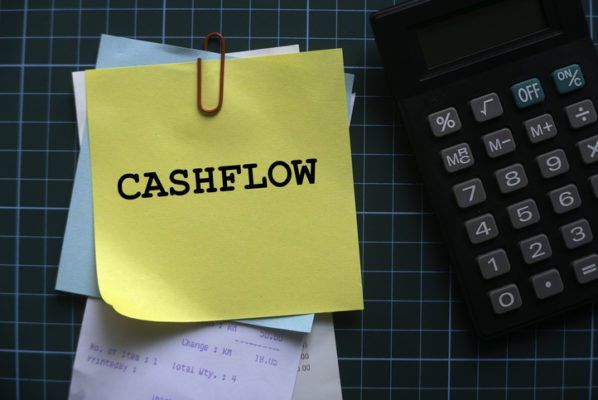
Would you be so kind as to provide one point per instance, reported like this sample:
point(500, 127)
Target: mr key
point(503, 123)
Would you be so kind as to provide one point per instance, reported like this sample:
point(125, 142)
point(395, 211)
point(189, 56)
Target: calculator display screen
point(476, 30)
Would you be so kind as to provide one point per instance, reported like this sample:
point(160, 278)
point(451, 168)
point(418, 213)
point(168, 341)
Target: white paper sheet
point(122, 358)
point(317, 376)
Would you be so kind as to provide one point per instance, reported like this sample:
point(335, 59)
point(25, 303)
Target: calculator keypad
point(586, 269)
point(588, 150)
point(499, 143)
point(470, 193)
point(565, 199)
point(581, 114)
point(540, 128)
point(594, 183)
point(528, 93)
point(505, 299)
point(577, 234)
point(524, 214)
point(511, 178)
point(486, 108)
point(444, 122)
point(481, 229)
point(547, 284)
point(568, 79)
point(553, 164)
point(535, 249)
point(494, 264)
point(457, 158)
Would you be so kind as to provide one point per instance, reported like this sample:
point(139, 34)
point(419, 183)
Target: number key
point(494, 264)
point(577, 234)
point(470, 193)
point(481, 229)
point(553, 164)
point(565, 199)
point(523, 214)
point(535, 249)
point(511, 178)
point(505, 299)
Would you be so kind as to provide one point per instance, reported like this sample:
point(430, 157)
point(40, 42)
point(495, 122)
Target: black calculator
point(499, 101)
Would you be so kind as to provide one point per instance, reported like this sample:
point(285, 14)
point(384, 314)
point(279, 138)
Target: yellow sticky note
point(250, 213)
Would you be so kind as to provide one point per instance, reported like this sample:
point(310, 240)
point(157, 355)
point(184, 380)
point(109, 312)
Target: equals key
point(586, 269)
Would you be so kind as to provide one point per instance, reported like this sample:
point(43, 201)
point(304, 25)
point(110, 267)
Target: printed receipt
point(123, 358)
point(317, 374)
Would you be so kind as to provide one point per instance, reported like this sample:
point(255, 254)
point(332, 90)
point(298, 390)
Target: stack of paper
point(171, 242)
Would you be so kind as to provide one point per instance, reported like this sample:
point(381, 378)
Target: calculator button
point(577, 234)
point(494, 264)
point(470, 193)
point(535, 249)
point(486, 107)
point(553, 164)
point(594, 183)
point(457, 157)
point(481, 229)
point(586, 269)
point(581, 114)
point(505, 299)
point(565, 199)
point(523, 214)
point(589, 150)
point(547, 284)
point(444, 122)
point(511, 178)
point(528, 93)
point(499, 143)
point(540, 128)
point(568, 79)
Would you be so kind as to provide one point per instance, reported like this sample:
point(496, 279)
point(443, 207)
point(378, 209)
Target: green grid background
point(413, 341)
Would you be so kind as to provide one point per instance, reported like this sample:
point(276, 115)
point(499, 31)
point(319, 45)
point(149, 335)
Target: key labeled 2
point(535, 249)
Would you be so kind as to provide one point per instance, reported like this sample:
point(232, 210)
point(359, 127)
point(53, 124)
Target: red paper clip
point(212, 111)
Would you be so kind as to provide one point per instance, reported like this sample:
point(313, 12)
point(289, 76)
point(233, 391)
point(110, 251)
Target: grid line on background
point(414, 341)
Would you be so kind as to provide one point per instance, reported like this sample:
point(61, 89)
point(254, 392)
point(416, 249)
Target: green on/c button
point(528, 93)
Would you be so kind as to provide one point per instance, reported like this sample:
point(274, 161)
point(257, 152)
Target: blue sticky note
point(76, 270)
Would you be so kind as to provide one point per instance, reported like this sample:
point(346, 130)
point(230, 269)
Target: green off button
point(568, 79)
point(528, 93)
